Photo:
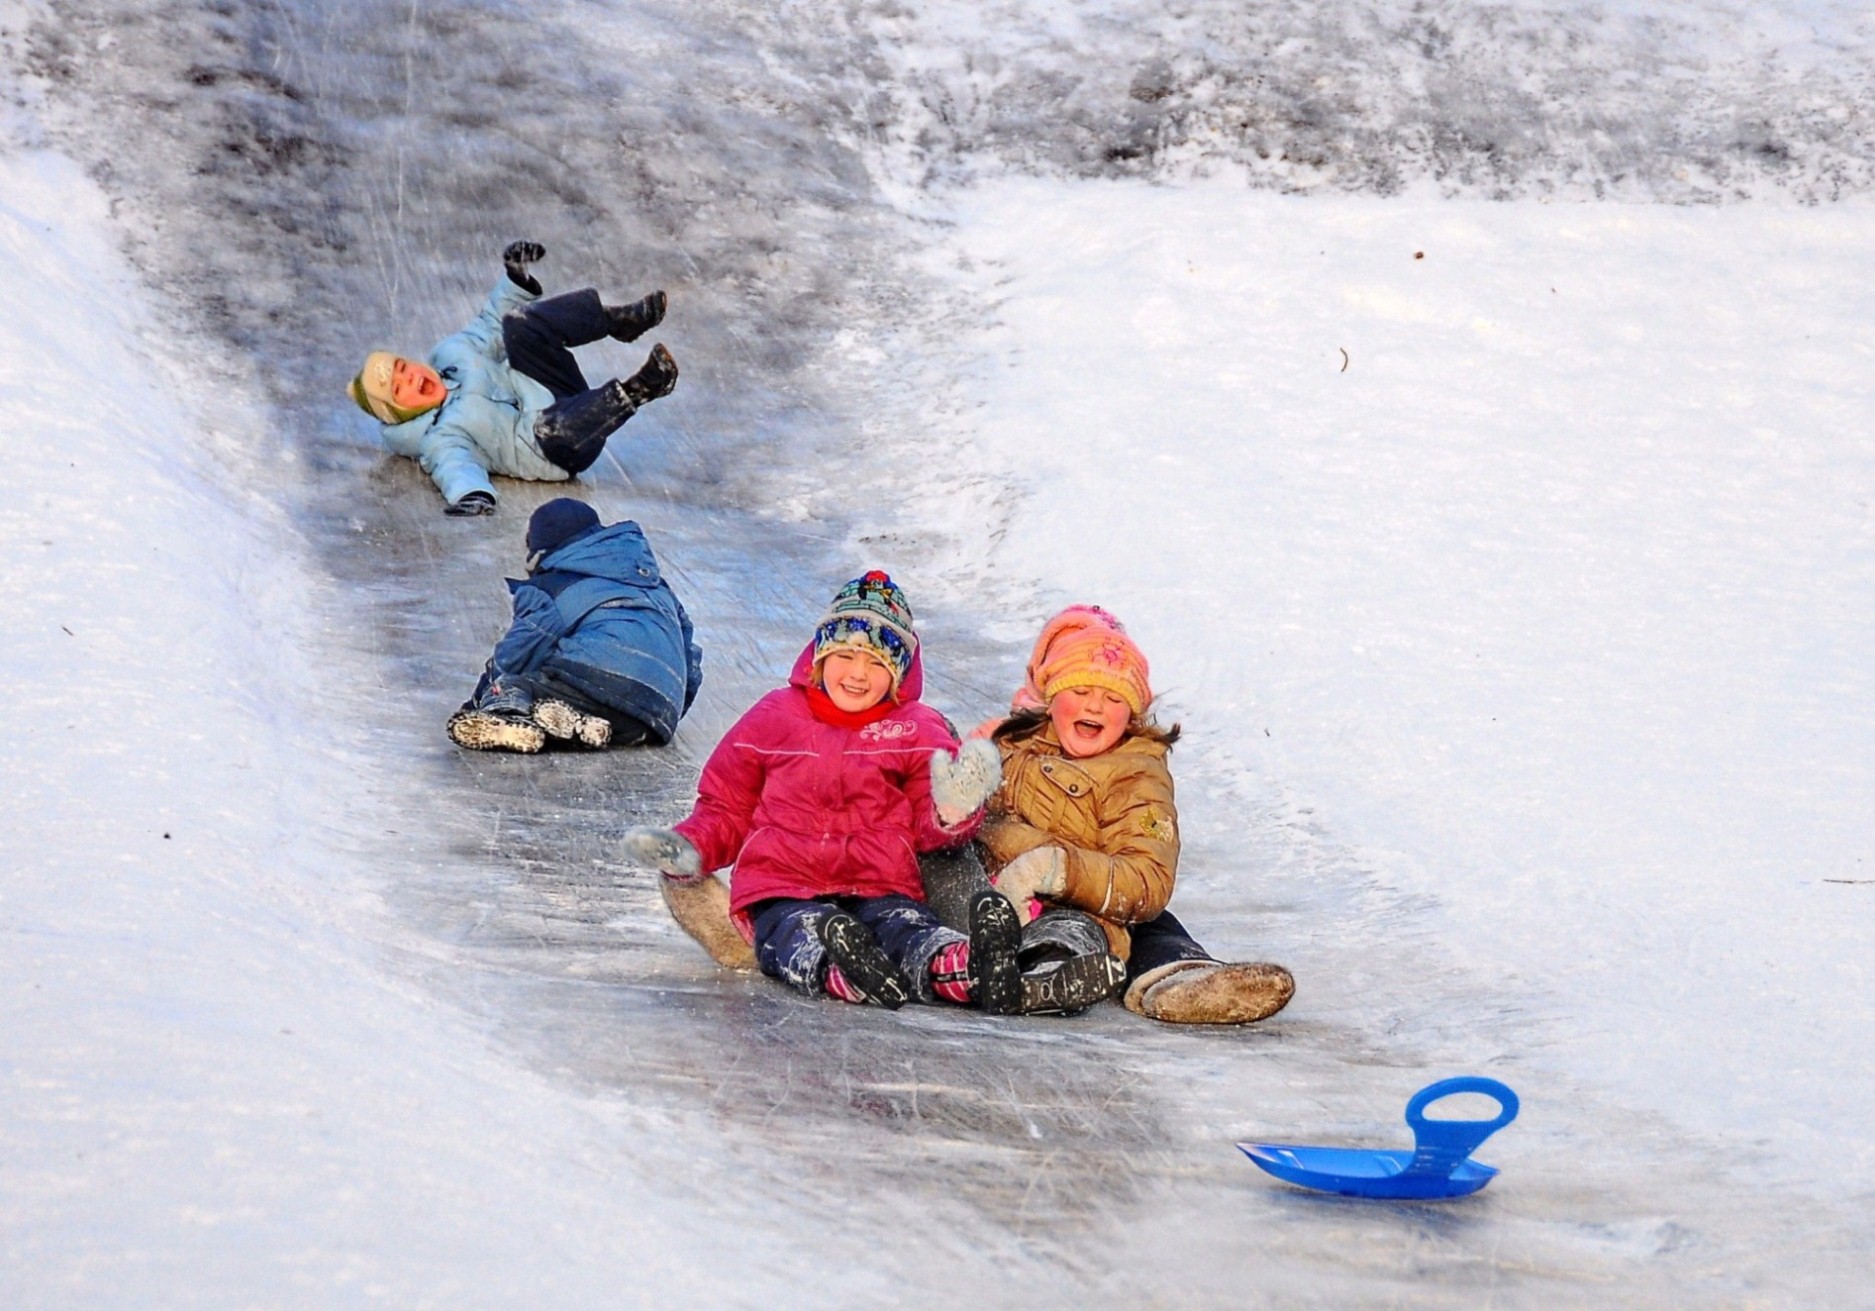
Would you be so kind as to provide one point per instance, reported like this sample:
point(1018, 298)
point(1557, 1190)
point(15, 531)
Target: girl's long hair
point(1023, 724)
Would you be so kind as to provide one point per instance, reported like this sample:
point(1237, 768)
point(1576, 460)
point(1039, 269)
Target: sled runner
point(1439, 1165)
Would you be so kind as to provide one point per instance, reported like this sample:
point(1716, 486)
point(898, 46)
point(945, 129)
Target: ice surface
point(508, 1080)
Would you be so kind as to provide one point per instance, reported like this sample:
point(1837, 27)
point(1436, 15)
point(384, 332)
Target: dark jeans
point(788, 946)
point(1161, 941)
point(540, 338)
point(952, 877)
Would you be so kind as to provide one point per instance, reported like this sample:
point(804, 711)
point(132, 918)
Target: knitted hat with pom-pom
point(870, 613)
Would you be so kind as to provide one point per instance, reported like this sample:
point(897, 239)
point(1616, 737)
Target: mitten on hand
point(664, 850)
point(471, 503)
point(961, 784)
point(1042, 872)
point(517, 257)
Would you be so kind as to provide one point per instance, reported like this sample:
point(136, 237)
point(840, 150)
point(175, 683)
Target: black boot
point(1072, 985)
point(851, 946)
point(995, 937)
point(657, 378)
point(630, 322)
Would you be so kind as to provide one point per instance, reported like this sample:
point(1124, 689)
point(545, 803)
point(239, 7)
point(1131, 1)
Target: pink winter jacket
point(804, 809)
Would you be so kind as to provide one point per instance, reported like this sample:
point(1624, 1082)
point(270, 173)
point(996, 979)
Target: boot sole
point(561, 721)
point(851, 946)
point(478, 731)
point(1230, 994)
point(995, 938)
point(1073, 986)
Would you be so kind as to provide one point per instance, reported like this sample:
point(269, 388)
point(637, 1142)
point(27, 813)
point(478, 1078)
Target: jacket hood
point(619, 552)
point(910, 688)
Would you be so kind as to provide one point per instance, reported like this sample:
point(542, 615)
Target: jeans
point(788, 945)
point(573, 430)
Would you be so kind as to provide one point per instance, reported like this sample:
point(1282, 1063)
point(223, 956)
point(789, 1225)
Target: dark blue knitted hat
point(555, 524)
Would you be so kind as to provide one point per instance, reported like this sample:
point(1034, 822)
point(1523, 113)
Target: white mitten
point(961, 784)
point(1042, 872)
point(666, 851)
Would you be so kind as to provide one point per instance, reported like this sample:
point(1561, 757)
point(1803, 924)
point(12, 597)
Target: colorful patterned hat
point(869, 613)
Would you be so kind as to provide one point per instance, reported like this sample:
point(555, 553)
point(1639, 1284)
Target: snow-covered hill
point(1500, 527)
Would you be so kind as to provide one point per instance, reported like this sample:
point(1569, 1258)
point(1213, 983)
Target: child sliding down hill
point(1083, 834)
point(600, 653)
point(504, 395)
point(822, 795)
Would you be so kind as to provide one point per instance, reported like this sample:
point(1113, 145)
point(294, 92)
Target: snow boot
point(630, 322)
point(701, 908)
point(851, 946)
point(657, 377)
point(495, 730)
point(1069, 987)
point(1211, 992)
point(995, 938)
point(562, 721)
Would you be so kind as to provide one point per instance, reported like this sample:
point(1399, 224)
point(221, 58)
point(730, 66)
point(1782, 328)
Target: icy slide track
point(299, 177)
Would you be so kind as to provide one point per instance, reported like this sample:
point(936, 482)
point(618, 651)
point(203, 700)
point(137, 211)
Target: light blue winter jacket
point(487, 423)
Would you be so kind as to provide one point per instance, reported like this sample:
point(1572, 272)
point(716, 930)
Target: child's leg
point(1170, 977)
point(909, 934)
point(497, 718)
point(540, 338)
point(1066, 963)
point(570, 714)
point(573, 430)
point(787, 942)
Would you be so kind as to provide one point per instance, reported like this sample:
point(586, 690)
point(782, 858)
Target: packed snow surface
point(1464, 405)
point(1531, 548)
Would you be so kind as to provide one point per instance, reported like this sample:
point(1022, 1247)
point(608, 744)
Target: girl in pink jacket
point(822, 796)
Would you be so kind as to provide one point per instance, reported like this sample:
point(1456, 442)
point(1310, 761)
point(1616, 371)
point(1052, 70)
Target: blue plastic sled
point(1438, 1166)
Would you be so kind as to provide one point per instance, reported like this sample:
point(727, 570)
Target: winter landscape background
point(1464, 405)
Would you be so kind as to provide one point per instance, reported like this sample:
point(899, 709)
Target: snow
point(1532, 547)
point(211, 1082)
point(1505, 551)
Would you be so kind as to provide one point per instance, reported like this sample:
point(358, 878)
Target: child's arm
point(1129, 878)
point(949, 786)
point(536, 627)
point(483, 333)
point(727, 793)
point(453, 463)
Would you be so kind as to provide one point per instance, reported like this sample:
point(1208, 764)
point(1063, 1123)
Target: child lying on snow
point(504, 395)
point(600, 652)
point(822, 795)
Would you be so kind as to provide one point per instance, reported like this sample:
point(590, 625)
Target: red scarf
point(828, 713)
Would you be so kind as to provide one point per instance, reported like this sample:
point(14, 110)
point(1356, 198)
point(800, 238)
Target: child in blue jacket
point(504, 395)
point(600, 653)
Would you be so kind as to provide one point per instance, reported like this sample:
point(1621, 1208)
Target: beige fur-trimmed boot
point(702, 908)
point(1211, 992)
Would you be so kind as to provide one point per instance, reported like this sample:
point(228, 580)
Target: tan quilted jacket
point(1112, 814)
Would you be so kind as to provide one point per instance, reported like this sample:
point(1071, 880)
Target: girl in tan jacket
point(1082, 837)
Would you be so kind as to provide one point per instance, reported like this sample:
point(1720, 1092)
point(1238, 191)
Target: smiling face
point(415, 386)
point(855, 679)
point(1089, 720)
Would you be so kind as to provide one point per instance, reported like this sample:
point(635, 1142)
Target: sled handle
point(1439, 1146)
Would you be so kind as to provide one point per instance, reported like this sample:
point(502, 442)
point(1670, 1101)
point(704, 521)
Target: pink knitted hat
point(1085, 646)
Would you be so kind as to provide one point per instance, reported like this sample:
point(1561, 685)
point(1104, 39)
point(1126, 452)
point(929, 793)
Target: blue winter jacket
point(487, 423)
point(598, 612)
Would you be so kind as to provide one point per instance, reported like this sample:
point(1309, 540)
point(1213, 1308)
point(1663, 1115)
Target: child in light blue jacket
point(504, 395)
